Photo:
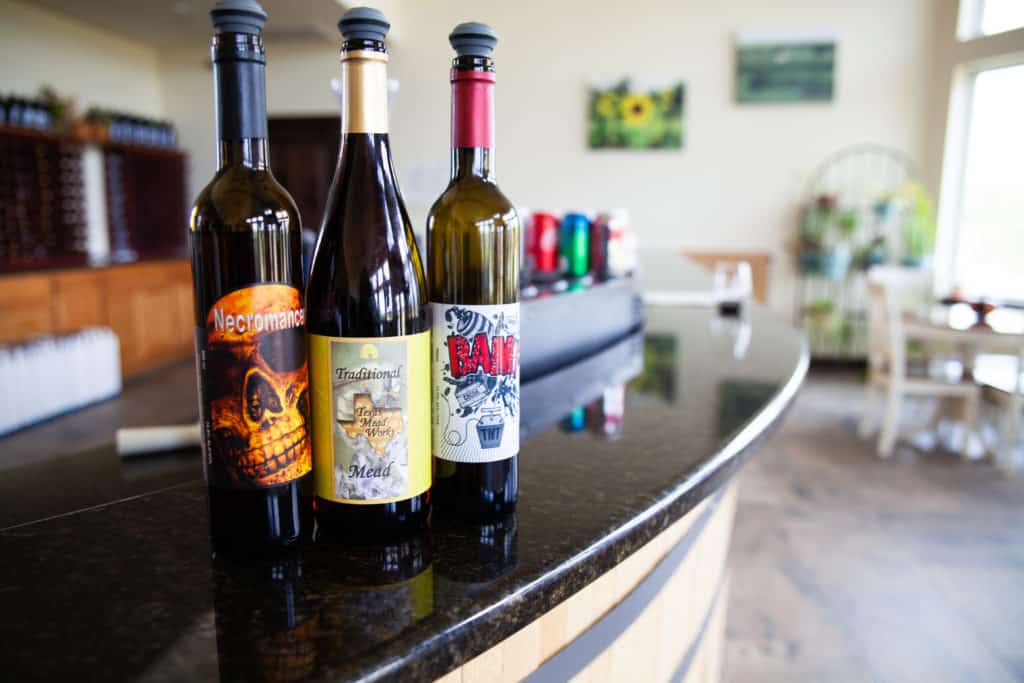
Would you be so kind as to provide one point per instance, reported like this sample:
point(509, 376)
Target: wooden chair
point(887, 367)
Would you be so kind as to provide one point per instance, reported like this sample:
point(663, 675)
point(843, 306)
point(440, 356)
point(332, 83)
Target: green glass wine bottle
point(473, 262)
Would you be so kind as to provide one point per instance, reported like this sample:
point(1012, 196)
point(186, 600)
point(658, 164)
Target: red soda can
point(544, 245)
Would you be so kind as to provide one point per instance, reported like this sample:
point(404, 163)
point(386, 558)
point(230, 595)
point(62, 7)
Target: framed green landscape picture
point(784, 68)
point(625, 116)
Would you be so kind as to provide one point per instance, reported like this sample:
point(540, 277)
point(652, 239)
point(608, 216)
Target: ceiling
point(170, 24)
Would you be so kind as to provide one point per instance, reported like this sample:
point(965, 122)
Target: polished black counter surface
point(105, 566)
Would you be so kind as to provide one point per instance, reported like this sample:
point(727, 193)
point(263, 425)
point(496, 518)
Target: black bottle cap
point(474, 39)
point(364, 23)
point(238, 16)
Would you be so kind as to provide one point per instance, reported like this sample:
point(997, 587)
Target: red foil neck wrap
point(472, 109)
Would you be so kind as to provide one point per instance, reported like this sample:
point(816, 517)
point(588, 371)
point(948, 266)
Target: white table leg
point(1008, 457)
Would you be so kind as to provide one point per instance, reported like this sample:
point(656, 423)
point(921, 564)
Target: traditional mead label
point(253, 382)
point(371, 419)
point(475, 383)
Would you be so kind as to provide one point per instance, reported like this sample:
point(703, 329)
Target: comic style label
point(475, 383)
point(254, 397)
point(371, 426)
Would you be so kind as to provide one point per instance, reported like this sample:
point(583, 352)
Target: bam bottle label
point(254, 403)
point(475, 387)
point(371, 441)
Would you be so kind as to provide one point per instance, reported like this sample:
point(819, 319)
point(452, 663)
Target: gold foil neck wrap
point(364, 95)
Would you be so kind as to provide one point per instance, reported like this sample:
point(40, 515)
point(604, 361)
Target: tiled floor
point(849, 568)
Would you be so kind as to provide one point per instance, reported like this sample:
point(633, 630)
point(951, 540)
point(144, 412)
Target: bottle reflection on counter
point(380, 590)
point(267, 619)
point(575, 421)
point(475, 553)
point(605, 415)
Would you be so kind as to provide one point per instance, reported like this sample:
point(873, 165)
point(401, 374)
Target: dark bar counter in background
point(106, 572)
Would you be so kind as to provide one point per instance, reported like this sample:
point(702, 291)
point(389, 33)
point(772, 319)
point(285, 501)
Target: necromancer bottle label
point(254, 403)
point(475, 387)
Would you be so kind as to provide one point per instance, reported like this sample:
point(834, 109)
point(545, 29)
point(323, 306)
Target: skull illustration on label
point(253, 374)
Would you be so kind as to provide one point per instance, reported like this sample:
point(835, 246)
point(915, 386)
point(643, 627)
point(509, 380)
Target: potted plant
point(918, 227)
point(874, 253)
point(885, 208)
point(62, 110)
point(94, 126)
point(824, 239)
point(819, 315)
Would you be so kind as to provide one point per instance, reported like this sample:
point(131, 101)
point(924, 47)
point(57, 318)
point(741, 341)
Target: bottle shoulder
point(236, 196)
point(473, 200)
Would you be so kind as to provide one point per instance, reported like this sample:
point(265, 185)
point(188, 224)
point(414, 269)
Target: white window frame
point(972, 54)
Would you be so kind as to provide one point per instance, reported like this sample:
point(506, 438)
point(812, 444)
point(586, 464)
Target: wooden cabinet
point(148, 305)
point(25, 304)
point(78, 300)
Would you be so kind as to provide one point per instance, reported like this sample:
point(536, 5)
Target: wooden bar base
point(606, 633)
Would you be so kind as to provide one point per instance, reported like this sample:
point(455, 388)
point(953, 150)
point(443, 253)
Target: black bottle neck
point(240, 100)
point(248, 152)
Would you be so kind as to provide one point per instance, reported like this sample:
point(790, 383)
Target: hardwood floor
point(849, 568)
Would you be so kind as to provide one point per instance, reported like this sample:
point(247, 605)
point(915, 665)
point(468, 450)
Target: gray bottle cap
point(473, 38)
point(238, 16)
point(364, 23)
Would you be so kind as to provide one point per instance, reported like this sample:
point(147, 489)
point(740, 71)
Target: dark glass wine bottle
point(250, 338)
point(473, 251)
point(368, 320)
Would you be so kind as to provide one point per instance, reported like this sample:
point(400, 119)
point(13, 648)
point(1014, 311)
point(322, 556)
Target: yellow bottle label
point(371, 417)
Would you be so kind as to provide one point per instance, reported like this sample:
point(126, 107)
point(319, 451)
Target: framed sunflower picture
point(622, 116)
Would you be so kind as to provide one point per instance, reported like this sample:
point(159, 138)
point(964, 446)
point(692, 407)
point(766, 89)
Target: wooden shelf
point(142, 149)
point(37, 134)
point(50, 135)
point(148, 305)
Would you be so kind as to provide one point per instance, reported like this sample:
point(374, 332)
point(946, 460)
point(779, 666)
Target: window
point(988, 260)
point(980, 241)
point(989, 17)
point(998, 16)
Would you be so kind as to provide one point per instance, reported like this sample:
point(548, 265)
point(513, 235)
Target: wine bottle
point(250, 321)
point(473, 258)
point(368, 320)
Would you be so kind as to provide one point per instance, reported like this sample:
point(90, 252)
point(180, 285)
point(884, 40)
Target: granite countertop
point(105, 568)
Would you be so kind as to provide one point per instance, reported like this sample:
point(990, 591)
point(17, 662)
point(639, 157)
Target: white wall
point(737, 184)
point(95, 67)
point(739, 180)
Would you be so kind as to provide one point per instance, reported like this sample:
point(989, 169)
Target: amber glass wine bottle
point(250, 338)
point(368, 320)
point(473, 260)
